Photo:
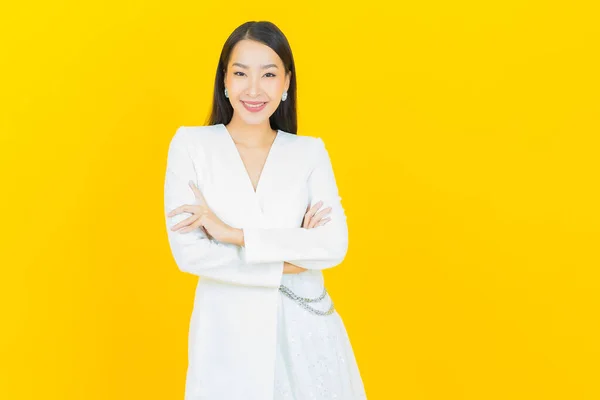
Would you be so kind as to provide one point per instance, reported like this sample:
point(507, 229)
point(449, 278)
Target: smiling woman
point(253, 209)
point(254, 88)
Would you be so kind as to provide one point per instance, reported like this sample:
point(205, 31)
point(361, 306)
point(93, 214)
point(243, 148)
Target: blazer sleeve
point(315, 248)
point(193, 251)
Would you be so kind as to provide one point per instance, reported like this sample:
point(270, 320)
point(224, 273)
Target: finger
point(177, 210)
point(324, 221)
point(304, 225)
point(322, 213)
point(311, 213)
point(315, 220)
point(306, 220)
point(197, 193)
point(190, 228)
point(315, 207)
point(185, 222)
point(194, 209)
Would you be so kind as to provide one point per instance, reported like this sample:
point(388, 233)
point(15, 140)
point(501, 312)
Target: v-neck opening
point(243, 166)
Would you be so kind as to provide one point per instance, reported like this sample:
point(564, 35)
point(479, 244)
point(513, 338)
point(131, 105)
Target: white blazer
point(232, 335)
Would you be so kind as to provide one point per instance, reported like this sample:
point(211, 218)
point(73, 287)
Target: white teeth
point(254, 106)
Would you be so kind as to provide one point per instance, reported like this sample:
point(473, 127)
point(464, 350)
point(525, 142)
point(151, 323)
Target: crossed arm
point(257, 258)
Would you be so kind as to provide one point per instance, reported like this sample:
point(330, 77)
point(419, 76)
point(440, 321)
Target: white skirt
point(314, 355)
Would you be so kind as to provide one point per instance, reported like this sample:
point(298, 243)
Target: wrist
point(237, 236)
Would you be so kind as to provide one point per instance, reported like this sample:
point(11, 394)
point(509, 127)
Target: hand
point(202, 218)
point(312, 219)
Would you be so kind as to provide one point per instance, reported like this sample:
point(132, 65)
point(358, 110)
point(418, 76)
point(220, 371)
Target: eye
point(239, 72)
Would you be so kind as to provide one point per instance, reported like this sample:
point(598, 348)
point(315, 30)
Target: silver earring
point(284, 96)
point(226, 94)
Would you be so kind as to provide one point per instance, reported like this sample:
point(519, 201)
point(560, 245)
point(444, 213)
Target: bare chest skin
point(254, 161)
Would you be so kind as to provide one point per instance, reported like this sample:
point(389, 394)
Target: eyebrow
point(246, 67)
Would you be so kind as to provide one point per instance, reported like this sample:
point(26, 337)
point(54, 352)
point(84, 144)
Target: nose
point(254, 88)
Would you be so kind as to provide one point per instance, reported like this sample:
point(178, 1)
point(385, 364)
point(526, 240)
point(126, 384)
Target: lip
point(254, 109)
point(254, 102)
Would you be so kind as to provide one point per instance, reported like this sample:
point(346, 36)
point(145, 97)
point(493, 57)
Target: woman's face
point(255, 76)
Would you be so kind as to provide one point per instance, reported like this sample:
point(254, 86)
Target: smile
point(254, 107)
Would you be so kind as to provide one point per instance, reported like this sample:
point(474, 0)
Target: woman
point(254, 211)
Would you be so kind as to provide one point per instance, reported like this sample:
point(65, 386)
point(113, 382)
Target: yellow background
point(464, 137)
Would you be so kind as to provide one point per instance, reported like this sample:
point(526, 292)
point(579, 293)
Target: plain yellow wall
point(464, 136)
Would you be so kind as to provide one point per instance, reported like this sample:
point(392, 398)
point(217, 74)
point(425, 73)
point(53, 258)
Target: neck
point(251, 135)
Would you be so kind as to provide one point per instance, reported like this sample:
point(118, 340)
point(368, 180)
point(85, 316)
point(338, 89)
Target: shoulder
point(305, 150)
point(303, 143)
point(195, 140)
point(194, 135)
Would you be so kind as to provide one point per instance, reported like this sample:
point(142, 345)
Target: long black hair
point(285, 117)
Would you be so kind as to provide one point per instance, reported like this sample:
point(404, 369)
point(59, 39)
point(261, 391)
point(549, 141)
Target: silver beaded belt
point(302, 301)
